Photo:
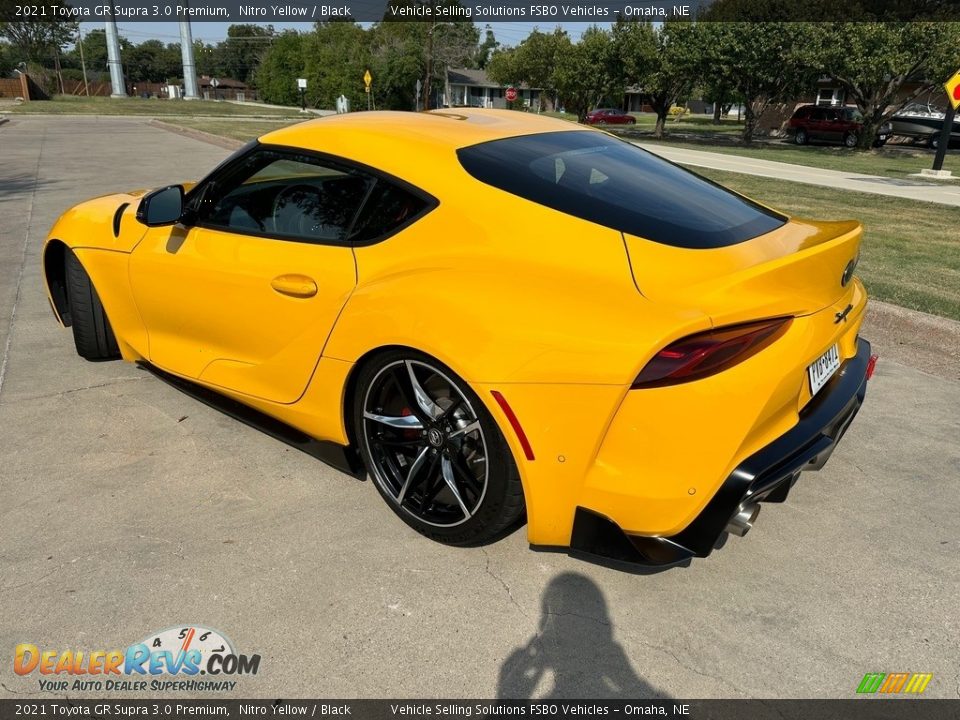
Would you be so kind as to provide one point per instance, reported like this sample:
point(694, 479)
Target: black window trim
point(378, 176)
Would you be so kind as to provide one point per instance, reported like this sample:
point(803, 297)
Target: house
point(467, 87)
point(828, 93)
point(226, 89)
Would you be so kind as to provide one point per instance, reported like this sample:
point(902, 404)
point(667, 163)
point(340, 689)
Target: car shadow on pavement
point(12, 186)
point(573, 654)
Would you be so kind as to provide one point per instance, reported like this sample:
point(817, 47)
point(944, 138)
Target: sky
point(507, 33)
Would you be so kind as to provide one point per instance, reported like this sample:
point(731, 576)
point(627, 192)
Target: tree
point(485, 49)
point(37, 40)
point(585, 74)
point(662, 61)
point(282, 64)
point(205, 58)
point(533, 62)
point(7, 61)
point(336, 56)
point(763, 62)
point(873, 61)
point(238, 56)
point(152, 61)
point(95, 51)
point(397, 61)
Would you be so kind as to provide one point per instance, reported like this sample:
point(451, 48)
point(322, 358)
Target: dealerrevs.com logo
point(187, 657)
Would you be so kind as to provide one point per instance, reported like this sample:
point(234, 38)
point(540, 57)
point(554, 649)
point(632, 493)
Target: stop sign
point(511, 94)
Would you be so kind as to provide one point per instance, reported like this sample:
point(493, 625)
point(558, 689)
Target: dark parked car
point(843, 125)
point(609, 116)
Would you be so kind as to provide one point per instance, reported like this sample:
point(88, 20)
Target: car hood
point(106, 222)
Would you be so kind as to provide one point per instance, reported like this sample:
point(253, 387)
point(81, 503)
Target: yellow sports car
point(494, 316)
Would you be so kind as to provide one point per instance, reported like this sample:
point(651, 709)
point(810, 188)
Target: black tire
point(850, 140)
point(801, 137)
point(413, 465)
point(92, 333)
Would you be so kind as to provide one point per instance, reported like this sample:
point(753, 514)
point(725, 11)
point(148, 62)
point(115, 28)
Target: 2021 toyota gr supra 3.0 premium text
point(493, 315)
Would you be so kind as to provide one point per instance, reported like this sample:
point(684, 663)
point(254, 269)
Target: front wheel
point(434, 452)
point(92, 334)
point(850, 140)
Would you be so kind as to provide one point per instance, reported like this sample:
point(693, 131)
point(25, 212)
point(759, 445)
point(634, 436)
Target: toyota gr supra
point(494, 316)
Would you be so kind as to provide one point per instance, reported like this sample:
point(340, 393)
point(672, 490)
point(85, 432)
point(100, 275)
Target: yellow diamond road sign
point(953, 89)
point(367, 79)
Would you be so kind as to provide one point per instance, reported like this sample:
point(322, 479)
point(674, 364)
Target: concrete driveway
point(127, 507)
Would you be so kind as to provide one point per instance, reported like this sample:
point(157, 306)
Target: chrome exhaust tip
point(741, 523)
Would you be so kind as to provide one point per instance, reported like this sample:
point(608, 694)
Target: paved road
point(126, 507)
point(910, 188)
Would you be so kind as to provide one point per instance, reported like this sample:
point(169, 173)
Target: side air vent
point(117, 217)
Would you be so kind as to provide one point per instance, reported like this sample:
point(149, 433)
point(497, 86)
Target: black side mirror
point(161, 207)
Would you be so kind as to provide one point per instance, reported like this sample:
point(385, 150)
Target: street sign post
point(952, 86)
point(302, 87)
point(367, 81)
point(214, 83)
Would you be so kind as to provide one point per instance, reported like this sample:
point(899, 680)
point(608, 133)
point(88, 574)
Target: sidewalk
point(907, 188)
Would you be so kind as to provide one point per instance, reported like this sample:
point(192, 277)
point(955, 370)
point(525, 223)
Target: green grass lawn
point(911, 250)
point(891, 161)
point(244, 131)
point(78, 105)
point(696, 124)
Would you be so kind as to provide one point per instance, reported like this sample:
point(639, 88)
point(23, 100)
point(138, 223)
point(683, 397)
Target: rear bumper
point(765, 476)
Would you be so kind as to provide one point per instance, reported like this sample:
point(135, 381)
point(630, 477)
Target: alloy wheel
point(426, 444)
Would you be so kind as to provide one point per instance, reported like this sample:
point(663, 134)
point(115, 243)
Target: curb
point(200, 135)
point(926, 342)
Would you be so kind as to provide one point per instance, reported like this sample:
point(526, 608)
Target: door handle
point(298, 286)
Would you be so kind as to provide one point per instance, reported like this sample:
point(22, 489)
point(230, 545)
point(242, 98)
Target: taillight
point(872, 365)
point(708, 353)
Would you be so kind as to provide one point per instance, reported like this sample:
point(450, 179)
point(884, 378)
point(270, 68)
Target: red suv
point(843, 124)
point(609, 116)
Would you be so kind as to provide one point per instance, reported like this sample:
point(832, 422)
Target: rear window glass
point(613, 183)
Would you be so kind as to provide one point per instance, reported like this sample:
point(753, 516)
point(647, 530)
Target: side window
point(818, 114)
point(387, 209)
point(285, 195)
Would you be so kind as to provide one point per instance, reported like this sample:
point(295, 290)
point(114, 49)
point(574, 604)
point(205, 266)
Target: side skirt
point(344, 459)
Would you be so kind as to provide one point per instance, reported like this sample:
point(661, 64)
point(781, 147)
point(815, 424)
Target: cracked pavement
point(127, 507)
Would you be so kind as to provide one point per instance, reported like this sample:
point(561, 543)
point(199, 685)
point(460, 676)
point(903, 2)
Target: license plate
point(823, 368)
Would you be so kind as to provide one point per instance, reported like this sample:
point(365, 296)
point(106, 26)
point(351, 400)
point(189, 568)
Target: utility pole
point(83, 62)
point(186, 52)
point(117, 85)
